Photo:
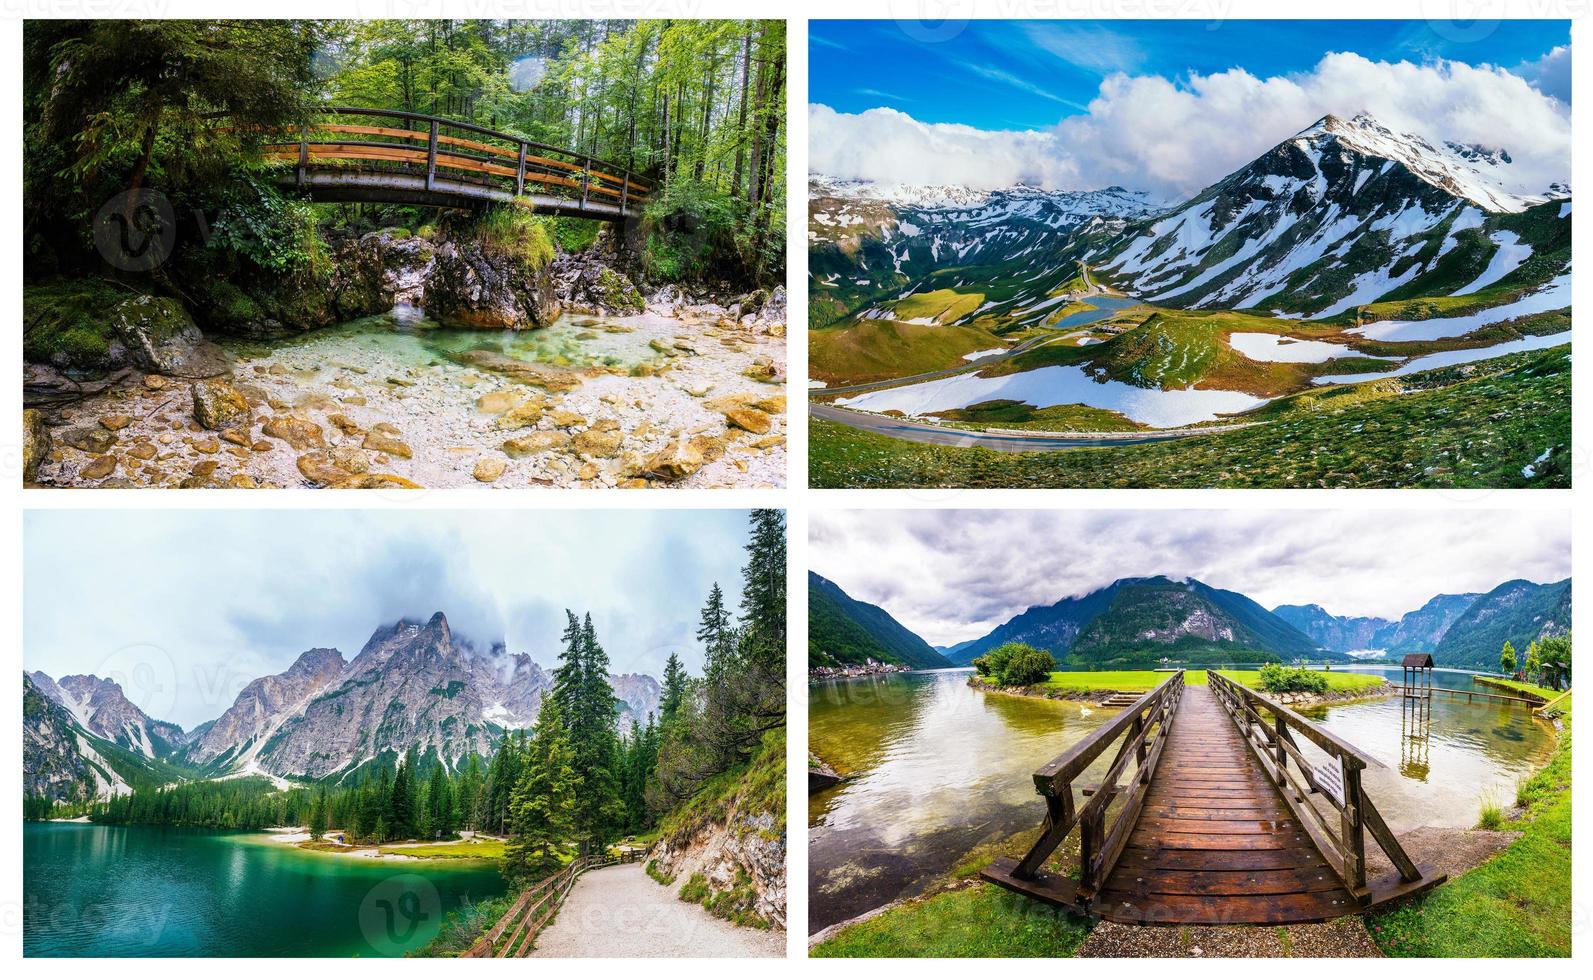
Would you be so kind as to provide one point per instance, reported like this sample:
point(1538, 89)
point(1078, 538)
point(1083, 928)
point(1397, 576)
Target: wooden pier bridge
point(379, 155)
point(1211, 812)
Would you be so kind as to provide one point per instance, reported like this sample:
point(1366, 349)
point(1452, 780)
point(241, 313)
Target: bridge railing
point(457, 150)
point(1140, 732)
point(1271, 728)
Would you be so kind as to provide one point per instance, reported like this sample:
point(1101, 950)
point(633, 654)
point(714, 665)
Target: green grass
point(1473, 427)
point(1143, 680)
point(1004, 413)
point(1518, 903)
point(1547, 693)
point(978, 921)
point(878, 350)
point(465, 850)
point(512, 230)
point(940, 305)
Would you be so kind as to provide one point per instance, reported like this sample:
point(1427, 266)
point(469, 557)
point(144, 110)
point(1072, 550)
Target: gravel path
point(621, 912)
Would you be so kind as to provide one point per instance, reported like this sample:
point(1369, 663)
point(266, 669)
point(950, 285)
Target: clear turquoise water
point(154, 891)
point(406, 335)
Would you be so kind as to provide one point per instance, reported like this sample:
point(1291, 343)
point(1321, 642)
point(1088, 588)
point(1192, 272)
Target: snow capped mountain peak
point(1109, 202)
point(1482, 175)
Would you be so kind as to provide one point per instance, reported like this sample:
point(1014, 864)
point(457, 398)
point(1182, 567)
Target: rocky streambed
point(666, 392)
point(690, 401)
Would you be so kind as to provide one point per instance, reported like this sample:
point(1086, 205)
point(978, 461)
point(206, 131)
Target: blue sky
point(183, 608)
point(1030, 74)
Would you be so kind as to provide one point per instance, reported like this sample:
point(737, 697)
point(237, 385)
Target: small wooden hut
point(1416, 673)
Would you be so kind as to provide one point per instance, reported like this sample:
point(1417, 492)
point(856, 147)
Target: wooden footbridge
point(378, 155)
point(1212, 811)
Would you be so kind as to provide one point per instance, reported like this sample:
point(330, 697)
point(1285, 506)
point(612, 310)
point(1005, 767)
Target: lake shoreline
point(297, 837)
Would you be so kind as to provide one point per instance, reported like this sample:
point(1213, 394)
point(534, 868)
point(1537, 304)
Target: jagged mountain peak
point(1481, 175)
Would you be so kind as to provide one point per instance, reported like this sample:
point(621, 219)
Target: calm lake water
point(940, 769)
point(154, 891)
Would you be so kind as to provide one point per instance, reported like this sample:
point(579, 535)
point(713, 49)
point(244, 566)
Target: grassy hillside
point(1516, 612)
point(1498, 418)
point(843, 631)
point(877, 350)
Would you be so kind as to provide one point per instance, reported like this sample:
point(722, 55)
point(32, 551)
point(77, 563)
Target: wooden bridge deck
point(1215, 843)
point(1200, 831)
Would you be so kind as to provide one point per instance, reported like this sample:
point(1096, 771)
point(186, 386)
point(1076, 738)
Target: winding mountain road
point(1012, 442)
point(619, 911)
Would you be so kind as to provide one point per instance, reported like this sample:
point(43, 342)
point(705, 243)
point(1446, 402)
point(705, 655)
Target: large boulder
point(475, 287)
point(160, 337)
point(91, 327)
point(35, 443)
point(590, 282)
point(352, 282)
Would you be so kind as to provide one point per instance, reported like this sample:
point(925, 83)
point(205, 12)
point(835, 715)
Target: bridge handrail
point(583, 175)
point(1275, 747)
point(1144, 726)
point(472, 128)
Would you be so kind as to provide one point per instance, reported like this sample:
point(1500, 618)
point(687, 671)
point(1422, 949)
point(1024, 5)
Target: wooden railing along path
point(514, 935)
point(1219, 821)
point(357, 154)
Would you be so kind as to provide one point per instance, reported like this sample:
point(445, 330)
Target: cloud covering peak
point(1173, 137)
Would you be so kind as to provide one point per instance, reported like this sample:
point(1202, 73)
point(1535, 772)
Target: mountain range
point(1135, 622)
point(1466, 630)
point(1344, 213)
point(413, 686)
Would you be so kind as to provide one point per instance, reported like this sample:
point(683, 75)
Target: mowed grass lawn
point(1144, 680)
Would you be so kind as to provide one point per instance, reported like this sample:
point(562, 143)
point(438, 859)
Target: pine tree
point(676, 683)
point(318, 817)
point(439, 806)
point(545, 802)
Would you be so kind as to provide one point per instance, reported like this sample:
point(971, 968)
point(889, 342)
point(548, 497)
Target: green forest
point(697, 108)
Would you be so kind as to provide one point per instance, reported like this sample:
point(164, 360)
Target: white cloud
point(890, 146)
point(1550, 74)
point(1175, 137)
point(201, 602)
point(954, 575)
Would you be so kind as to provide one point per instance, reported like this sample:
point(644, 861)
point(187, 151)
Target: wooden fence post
point(519, 173)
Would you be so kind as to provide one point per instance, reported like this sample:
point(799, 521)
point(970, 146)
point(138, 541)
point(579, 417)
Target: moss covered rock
point(91, 326)
point(474, 286)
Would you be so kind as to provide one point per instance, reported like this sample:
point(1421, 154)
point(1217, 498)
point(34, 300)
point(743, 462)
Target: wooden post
point(586, 180)
point(304, 151)
point(1352, 823)
point(519, 173)
point(625, 187)
point(1089, 852)
point(431, 157)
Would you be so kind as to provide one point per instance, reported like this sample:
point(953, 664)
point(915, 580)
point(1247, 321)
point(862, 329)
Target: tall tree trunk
point(741, 122)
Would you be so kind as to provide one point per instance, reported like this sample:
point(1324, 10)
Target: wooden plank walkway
point(1190, 824)
point(1215, 843)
